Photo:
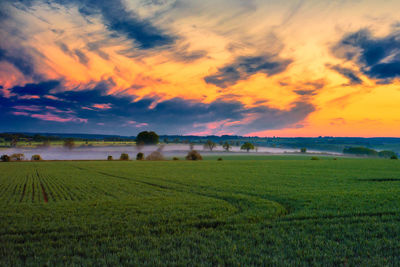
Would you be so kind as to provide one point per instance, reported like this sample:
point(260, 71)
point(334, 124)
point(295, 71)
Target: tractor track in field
point(341, 216)
point(33, 191)
point(45, 197)
point(24, 189)
point(231, 200)
point(44, 193)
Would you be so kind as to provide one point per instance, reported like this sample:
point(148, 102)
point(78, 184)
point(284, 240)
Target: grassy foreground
point(237, 212)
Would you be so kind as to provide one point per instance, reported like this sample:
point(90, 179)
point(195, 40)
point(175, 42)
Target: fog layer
point(102, 152)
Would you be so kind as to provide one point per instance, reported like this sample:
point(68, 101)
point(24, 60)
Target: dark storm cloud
point(83, 59)
point(21, 60)
point(349, 74)
point(304, 92)
point(270, 118)
point(81, 111)
point(185, 55)
point(64, 48)
point(243, 67)
point(122, 21)
point(307, 88)
point(378, 58)
point(39, 89)
point(117, 18)
point(95, 47)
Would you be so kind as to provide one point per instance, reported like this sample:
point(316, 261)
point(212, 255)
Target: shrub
point(194, 155)
point(124, 156)
point(140, 156)
point(110, 158)
point(219, 159)
point(394, 157)
point(360, 151)
point(175, 158)
point(303, 150)
point(17, 157)
point(314, 158)
point(155, 155)
point(386, 154)
point(36, 158)
point(5, 158)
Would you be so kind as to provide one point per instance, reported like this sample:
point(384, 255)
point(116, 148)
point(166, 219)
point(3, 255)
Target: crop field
point(264, 211)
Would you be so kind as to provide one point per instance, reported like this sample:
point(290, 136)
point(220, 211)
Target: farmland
point(248, 211)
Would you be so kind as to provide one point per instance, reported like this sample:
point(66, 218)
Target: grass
point(264, 211)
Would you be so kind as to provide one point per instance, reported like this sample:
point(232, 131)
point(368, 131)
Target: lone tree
point(69, 143)
point(303, 150)
point(210, 145)
point(226, 146)
point(147, 138)
point(247, 146)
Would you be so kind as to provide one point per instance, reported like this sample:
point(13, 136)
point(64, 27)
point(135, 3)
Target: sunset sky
point(266, 68)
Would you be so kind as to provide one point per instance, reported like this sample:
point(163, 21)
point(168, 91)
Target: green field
point(272, 211)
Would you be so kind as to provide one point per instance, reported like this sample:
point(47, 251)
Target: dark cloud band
point(83, 111)
point(378, 58)
point(244, 67)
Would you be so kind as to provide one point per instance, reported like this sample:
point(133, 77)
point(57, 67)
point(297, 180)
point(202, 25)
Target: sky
point(211, 67)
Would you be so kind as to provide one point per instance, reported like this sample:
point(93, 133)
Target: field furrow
point(245, 212)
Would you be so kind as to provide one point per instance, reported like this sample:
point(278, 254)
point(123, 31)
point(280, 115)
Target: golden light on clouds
point(271, 57)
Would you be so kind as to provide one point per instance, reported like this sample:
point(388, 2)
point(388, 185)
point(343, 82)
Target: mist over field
point(102, 152)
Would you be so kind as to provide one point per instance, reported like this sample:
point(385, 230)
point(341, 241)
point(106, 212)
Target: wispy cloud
point(245, 66)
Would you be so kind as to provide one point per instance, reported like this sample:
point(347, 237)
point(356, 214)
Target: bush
point(156, 155)
point(360, 151)
point(17, 157)
point(386, 154)
point(110, 158)
point(175, 158)
point(194, 155)
point(5, 158)
point(124, 156)
point(394, 157)
point(303, 150)
point(140, 156)
point(36, 158)
point(314, 158)
point(219, 159)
